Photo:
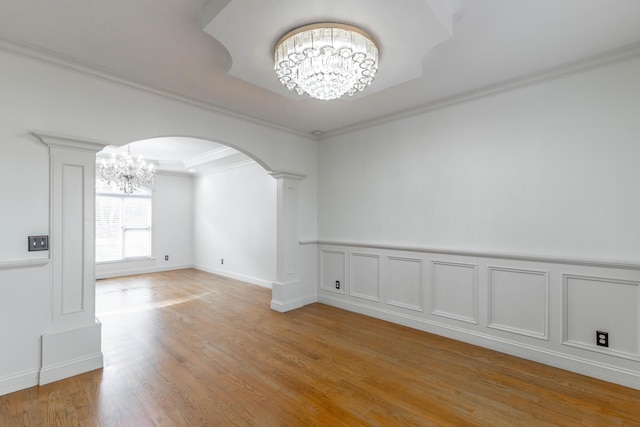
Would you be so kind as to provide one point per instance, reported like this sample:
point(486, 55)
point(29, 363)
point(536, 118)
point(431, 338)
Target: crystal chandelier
point(126, 172)
point(326, 60)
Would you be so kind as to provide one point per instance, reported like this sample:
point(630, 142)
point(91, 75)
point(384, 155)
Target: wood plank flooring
point(188, 348)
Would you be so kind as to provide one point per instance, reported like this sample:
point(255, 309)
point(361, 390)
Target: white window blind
point(123, 227)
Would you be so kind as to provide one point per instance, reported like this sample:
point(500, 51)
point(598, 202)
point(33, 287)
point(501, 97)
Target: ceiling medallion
point(326, 60)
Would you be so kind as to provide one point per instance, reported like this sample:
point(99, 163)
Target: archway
point(219, 171)
point(71, 343)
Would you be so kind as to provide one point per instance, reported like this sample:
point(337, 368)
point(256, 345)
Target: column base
point(284, 299)
point(71, 352)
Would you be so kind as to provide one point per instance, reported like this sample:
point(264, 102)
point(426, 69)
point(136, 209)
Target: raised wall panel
point(454, 291)
point(72, 241)
point(332, 267)
point(518, 301)
point(602, 304)
point(72, 238)
point(365, 276)
point(290, 206)
point(404, 283)
point(525, 306)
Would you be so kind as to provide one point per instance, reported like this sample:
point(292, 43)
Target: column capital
point(69, 143)
point(287, 175)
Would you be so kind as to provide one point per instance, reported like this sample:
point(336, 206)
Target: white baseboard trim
point(19, 381)
point(284, 306)
point(567, 362)
point(71, 368)
point(235, 276)
point(145, 270)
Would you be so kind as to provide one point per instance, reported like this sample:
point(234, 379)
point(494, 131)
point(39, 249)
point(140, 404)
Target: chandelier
point(326, 60)
point(126, 172)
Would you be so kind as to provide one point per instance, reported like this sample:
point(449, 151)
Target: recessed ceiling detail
point(249, 30)
point(182, 154)
point(160, 46)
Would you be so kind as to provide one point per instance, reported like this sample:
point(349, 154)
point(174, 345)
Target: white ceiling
point(163, 45)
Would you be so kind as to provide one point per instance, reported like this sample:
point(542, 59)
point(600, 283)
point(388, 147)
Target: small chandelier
point(326, 60)
point(126, 172)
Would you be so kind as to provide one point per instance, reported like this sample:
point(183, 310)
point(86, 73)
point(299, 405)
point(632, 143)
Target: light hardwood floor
point(187, 348)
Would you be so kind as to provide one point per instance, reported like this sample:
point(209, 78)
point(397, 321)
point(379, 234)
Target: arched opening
point(214, 207)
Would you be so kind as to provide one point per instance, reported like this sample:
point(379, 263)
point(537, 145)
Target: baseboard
point(71, 368)
point(19, 381)
point(284, 306)
point(567, 362)
point(144, 270)
point(235, 276)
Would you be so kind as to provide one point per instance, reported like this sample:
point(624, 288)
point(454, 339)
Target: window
point(123, 225)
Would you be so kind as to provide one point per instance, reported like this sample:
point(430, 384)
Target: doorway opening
point(213, 208)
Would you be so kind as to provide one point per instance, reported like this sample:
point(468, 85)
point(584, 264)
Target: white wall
point(474, 221)
point(548, 169)
point(24, 315)
point(66, 101)
point(172, 225)
point(50, 99)
point(235, 220)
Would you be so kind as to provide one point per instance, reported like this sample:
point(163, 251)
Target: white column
point(72, 343)
point(286, 293)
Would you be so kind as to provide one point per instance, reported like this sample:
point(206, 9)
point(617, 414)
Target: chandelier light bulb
point(326, 60)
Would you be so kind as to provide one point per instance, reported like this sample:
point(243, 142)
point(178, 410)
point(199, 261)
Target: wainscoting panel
point(539, 308)
point(332, 269)
point(518, 301)
point(365, 276)
point(454, 291)
point(602, 304)
point(404, 283)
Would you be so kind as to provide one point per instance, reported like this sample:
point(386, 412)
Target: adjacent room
point(232, 212)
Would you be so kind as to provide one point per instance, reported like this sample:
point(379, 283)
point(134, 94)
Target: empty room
point(242, 212)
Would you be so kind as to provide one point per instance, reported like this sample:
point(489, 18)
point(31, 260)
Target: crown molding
point(55, 59)
point(174, 173)
point(167, 163)
point(210, 156)
point(227, 168)
point(604, 59)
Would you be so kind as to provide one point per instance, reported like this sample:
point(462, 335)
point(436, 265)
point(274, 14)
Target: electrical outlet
point(602, 339)
point(337, 284)
point(166, 257)
point(221, 260)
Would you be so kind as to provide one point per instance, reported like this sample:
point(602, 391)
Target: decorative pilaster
point(285, 293)
point(71, 344)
